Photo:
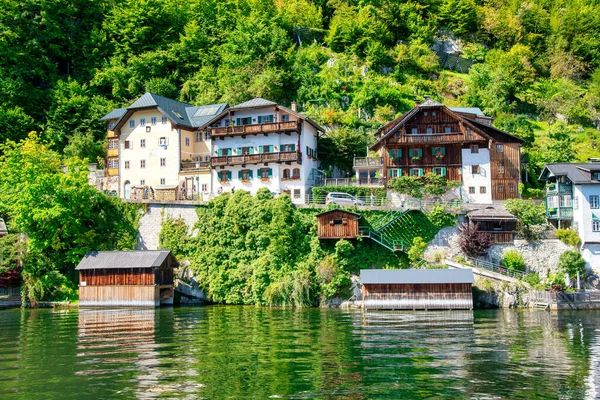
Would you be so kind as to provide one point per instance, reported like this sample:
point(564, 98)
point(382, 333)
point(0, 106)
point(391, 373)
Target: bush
point(533, 279)
point(571, 262)
point(472, 242)
point(440, 217)
point(569, 237)
point(513, 260)
point(529, 215)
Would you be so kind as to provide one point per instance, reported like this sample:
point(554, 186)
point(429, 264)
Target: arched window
point(286, 173)
point(296, 173)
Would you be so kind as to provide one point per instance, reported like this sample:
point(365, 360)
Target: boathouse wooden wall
point(338, 224)
point(433, 296)
point(125, 295)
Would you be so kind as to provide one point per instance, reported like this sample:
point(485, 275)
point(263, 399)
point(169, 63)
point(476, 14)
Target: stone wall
point(150, 223)
point(542, 256)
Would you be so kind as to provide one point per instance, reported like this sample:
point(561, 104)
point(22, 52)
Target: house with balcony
point(573, 201)
point(157, 148)
point(259, 144)
point(457, 143)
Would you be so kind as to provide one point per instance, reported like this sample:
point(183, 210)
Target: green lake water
point(219, 352)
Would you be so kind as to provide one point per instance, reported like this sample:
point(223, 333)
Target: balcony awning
point(595, 217)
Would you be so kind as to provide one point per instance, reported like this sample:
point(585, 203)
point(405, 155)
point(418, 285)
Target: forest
point(351, 65)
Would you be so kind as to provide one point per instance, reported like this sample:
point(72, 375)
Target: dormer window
point(596, 175)
point(414, 131)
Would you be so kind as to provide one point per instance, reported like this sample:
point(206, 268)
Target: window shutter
point(410, 152)
point(260, 119)
point(420, 171)
point(239, 151)
point(260, 149)
point(420, 152)
point(220, 152)
point(238, 121)
point(391, 173)
point(258, 174)
point(249, 174)
point(399, 153)
point(443, 171)
point(293, 147)
point(433, 150)
point(270, 172)
point(390, 155)
point(240, 175)
point(400, 172)
point(444, 150)
point(251, 150)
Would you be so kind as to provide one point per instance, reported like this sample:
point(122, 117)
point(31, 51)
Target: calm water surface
point(260, 353)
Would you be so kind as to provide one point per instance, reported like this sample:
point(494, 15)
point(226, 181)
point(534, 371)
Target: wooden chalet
point(338, 224)
point(417, 289)
point(496, 221)
point(126, 278)
point(458, 143)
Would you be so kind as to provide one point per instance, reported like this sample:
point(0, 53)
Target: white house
point(259, 144)
point(573, 201)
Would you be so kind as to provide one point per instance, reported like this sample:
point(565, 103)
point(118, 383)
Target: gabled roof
point(123, 259)
point(338, 209)
point(117, 113)
point(391, 127)
point(495, 211)
point(469, 110)
point(254, 103)
point(178, 112)
point(415, 276)
point(577, 173)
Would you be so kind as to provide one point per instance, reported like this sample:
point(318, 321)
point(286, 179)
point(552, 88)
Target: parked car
point(344, 199)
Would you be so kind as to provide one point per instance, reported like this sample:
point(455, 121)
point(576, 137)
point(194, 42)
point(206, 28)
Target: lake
point(220, 352)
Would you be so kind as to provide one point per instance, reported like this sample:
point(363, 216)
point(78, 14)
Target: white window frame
point(163, 162)
point(142, 163)
point(187, 141)
point(595, 226)
point(163, 181)
point(126, 164)
point(164, 120)
point(132, 123)
point(594, 201)
point(142, 143)
point(152, 120)
point(143, 121)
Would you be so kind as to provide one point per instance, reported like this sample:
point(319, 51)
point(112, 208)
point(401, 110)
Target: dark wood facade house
point(417, 289)
point(126, 278)
point(338, 224)
point(496, 221)
point(434, 138)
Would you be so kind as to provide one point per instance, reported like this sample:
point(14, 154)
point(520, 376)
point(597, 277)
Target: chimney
point(294, 106)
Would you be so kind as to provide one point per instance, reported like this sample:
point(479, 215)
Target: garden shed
point(417, 289)
point(126, 278)
point(496, 221)
point(338, 224)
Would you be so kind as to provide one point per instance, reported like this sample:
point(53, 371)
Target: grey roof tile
point(469, 110)
point(123, 259)
point(576, 172)
point(117, 113)
point(409, 276)
point(256, 102)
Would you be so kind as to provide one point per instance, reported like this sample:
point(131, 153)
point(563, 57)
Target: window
point(594, 203)
point(416, 172)
point(162, 181)
point(482, 189)
point(474, 169)
point(132, 123)
point(142, 163)
point(126, 164)
point(500, 168)
point(469, 132)
point(474, 149)
point(142, 121)
point(471, 189)
point(152, 120)
point(127, 144)
point(245, 175)
point(206, 136)
point(243, 121)
point(142, 182)
point(395, 154)
point(198, 137)
point(296, 173)
point(224, 152)
point(297, 193)
point(285, 117)
point(111, 125)
point(596, 176)
point(187, 141)
point(415, 153)
point(148, 129)
point(113, 163)
point(511, 189)
point(552, 202)
point(500, 188)
point(266, 149)
point(394, 173)
point(162, 141)
point(163, 120)
point(433, 113)
point(438, 152)
point(286, 173)
point(429, 131)
point(288, 147)
point(596, 226)
point(414, 131)
point(265, 173)
point(224, 176)
point(113, 144)
point(447, 129)
point(425, 113)
point(163, 162)
point(575, 203)
point(439, 171)
point(264, 119)
point(142, 143)
point(499, 148)
point(565, 201)
point(204, 187)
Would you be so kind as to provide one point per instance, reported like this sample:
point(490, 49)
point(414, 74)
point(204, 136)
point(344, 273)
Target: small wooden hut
point(496, 222)
point(126, 278)
point(417, 289)
point(338, 224)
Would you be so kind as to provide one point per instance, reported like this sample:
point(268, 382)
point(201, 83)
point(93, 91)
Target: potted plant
point(415, 158)
point(439, 156)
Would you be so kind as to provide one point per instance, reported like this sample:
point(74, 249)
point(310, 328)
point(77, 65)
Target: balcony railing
point(112, 152)
point(557, 188)
point(254, 129)
point(435, 138)
point(560, 213)
point(350, 182)
point(194, 165)
point(283, 156)
point(363, 162)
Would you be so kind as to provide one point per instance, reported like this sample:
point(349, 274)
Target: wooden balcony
point(187, 166)
point(284, 156)
point(368, 162)
point(112, 153)
point(112, 171)
point(255, 129)
point(440, 138)
point(111, 134)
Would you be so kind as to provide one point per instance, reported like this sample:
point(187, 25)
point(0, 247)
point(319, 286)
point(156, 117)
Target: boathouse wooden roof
point(415, 276)
point(124, 259)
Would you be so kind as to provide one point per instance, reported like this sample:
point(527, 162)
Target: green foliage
point(513, 260)
point(321, 191)
point(440, 217)
point(571, 262)
point(416, 250)
point(173, 236)
point(531, 216)
point(9, 252)
point(569, 237)
point(420, 186)
point(340, 146)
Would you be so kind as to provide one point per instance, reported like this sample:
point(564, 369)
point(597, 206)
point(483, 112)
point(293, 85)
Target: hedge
point(353, 190)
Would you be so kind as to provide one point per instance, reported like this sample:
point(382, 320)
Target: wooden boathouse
point(126, 278)
point(338, 224)
point(417, 289)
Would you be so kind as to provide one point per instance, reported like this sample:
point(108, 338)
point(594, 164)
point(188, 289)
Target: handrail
point(496, 268)
point(254, 128)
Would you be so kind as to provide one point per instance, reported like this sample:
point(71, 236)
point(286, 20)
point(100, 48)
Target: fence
point(350, 182)
point(495, 268)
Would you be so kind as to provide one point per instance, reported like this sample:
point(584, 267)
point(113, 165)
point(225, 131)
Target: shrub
point(512, 259)
point(415, 251)
point(571, 262)
point(569, 237)
point(529, 215)
point(472, 242)
point(440, 217)
point(533, 279)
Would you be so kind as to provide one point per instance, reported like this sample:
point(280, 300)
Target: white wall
point(152, 153)
point(582, 223)
point(484, 178)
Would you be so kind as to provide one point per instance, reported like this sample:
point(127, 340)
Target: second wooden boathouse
point(126, 278)
point(417, 289)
